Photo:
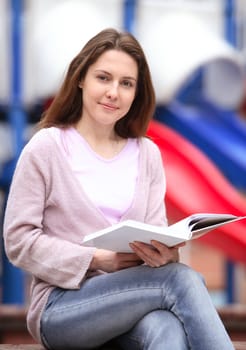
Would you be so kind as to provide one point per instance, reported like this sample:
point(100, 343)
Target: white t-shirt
point(109, 183)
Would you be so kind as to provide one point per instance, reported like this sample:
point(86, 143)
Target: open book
point(117, 237)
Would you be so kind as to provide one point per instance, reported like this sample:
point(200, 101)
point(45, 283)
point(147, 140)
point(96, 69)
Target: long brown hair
point(66, 108)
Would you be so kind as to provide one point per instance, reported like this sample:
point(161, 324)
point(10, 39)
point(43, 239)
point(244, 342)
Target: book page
point(211, 222)
point(118, 237)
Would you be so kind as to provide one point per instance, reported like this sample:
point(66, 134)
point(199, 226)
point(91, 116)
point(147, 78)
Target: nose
point(112, 91)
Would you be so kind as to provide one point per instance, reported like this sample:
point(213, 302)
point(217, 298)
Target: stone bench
point(13, 330)
point(14, 334)
point(234, 319)
point(36, 347)
point(237, 345)
point(21, 347)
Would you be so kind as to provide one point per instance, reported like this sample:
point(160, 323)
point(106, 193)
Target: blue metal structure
point(230, 22)
point(230, 35)
point(17, 117)
point(13, 278)
point(129, 12)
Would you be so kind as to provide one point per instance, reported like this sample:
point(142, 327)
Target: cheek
point(89, 95)
point(129, 99)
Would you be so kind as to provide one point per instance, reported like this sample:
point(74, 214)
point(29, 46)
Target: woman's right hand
point(109, 261)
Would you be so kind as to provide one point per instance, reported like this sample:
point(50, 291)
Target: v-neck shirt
point(109, 183)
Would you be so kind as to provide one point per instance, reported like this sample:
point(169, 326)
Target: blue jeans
point(165, 308)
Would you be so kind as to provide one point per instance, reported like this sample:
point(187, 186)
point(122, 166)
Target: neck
point(98, 133)
point(103, 141)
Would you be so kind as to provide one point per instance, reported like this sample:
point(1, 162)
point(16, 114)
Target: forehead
point(116, 60)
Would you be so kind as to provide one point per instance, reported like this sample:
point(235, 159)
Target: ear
point(80, 84)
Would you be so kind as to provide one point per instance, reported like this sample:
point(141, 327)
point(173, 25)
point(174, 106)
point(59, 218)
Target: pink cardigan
point(48, 214)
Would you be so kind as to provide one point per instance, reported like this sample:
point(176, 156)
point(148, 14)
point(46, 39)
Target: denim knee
point(183, 280)
point(157, 330)
point(186, 274)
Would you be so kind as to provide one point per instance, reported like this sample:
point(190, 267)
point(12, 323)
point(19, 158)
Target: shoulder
point(39, 148)
point(148, 147)
point(150, 155)
point(42, 139)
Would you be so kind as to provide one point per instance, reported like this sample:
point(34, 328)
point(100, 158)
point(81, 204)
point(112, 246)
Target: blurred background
point(197, 55)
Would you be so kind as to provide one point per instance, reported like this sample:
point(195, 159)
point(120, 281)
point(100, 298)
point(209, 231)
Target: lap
point(109, 305)
point(138, 279)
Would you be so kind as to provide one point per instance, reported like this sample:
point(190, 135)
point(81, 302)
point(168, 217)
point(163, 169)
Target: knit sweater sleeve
point(51, 258)
point(156, 210)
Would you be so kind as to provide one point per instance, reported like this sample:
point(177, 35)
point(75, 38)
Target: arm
point(27, 242)
point(156, 254)
point(156, 210)
point(109, 261)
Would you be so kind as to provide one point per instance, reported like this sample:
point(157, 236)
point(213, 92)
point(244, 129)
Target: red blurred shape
point(195, 184)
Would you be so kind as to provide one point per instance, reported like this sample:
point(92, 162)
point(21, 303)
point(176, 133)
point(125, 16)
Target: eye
point(102, 77)
point(127, 83)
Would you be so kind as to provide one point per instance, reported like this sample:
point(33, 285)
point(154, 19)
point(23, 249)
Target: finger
point(143, 245)
point(127, 264)
point(175, 253)
point(167, 254)
point(128, 256)
point(136, 248)
point(160, 246)
point(158, 255)
point(150, 256)
point(145, 248)
point(179, 245)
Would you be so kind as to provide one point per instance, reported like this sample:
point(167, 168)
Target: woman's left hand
point(156, 254)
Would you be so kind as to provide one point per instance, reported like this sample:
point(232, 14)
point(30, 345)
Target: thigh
point(158, 330)
point(109, 305)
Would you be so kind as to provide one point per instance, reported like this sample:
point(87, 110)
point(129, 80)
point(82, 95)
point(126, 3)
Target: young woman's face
point(109, 88)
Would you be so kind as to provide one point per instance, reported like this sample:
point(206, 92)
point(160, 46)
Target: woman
point(88, 167)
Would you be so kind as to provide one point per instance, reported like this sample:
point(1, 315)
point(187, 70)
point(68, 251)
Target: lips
point(109, 106)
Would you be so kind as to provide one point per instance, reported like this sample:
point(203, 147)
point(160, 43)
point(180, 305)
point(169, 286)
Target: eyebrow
point(124, 77)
